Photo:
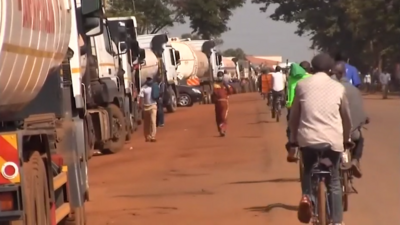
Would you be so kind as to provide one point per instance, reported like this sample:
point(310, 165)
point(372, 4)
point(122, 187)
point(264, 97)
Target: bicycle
point(346, 174)
point(320, 172)
point(278, 107)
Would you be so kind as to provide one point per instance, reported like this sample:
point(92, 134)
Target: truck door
point(170, 63)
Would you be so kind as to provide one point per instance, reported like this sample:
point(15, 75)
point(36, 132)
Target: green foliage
point(365, 31)
point(237, 53)
point(152, 15)
point(208, 18)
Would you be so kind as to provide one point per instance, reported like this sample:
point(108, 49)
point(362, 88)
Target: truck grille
point(66, 73)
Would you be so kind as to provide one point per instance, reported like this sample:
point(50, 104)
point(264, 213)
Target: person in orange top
point(220, 98)
point(266, 84)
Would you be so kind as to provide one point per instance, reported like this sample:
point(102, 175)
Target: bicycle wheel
point(345, 187)
point(278, 112)
point(322, 203)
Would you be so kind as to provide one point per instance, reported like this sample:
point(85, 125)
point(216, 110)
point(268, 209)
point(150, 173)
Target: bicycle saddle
point(319, 147)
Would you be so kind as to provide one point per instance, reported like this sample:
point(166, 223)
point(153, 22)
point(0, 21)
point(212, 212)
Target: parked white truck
point(161, 63)
point(199, 60)
point(45, 125)
point(124, 34)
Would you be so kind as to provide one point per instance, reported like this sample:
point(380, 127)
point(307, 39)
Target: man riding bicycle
point(278, 87)
point(358, 115)
point(296, 74)
point(320, 114)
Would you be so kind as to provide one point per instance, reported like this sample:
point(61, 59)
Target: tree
point(237, 53)
point(363, 30)
point(208, 18)
point(152, 15)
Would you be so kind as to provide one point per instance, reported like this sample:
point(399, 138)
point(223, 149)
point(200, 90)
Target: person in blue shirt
point(351, 71)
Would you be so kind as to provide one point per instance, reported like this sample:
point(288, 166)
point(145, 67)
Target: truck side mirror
point(91, 7)
point(142, 54)
point(219, 59)
point(122, 47)
point(93, 26)
point(177, 57)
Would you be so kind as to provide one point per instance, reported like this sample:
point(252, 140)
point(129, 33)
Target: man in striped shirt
point(320, 114)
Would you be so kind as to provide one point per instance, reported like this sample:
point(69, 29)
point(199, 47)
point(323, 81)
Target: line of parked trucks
point(69, 84)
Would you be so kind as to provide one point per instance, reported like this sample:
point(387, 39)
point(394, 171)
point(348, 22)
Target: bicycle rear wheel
point(322, 217)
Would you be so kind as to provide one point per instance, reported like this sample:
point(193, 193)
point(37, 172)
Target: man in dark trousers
point(160, 104)
point(357, 113)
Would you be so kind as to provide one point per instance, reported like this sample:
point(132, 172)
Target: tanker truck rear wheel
point(36, 192)
point(118, 127)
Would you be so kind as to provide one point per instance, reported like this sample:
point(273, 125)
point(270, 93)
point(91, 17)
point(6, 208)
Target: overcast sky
point(256, 34)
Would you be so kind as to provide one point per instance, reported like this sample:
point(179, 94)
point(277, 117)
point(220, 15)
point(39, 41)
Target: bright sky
point(256, 34)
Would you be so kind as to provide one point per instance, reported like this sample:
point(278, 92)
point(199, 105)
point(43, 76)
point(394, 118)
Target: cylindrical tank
point(31, 44)
point(150, 69)
point(193, 63)
point(229, 66)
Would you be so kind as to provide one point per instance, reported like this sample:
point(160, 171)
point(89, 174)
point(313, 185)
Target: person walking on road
point(160, 105)
point(220, 98)
point(358, 116)
point(278, 87)
point(384, 79)
point(367, 82)
point(320, 114)
point(149, 95)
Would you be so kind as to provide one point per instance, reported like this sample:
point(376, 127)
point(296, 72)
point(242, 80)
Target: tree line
point(367, 32)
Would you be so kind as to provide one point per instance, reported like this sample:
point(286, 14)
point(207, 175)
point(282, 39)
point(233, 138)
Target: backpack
point(155, 91)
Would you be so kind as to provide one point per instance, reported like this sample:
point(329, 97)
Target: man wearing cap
point(149, 95)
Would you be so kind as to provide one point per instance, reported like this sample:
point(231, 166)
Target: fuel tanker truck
point(161, 63)
point(199, 64)
point(44, 129)
point(246, 75)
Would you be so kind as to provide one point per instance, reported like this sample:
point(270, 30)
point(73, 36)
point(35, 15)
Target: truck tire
point(173, 101)
point(137, 116)
point(77, 217)
point(119, 130)
point(36, 191)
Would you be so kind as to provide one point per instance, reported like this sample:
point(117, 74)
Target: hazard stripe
point(9, 148)
point(9, 153)
point(193, 81)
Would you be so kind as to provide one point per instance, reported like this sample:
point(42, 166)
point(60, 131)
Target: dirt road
point(193, 177)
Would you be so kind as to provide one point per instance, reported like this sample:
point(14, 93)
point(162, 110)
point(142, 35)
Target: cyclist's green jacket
point(296, 74)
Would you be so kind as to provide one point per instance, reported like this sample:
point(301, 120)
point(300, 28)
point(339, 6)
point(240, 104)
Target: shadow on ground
point(268, 208)
point(260, 122)
point(278, 180)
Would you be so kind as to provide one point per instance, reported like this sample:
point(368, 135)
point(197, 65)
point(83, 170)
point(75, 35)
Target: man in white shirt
point(367, 82)
point(278, 87)
point(149, 95)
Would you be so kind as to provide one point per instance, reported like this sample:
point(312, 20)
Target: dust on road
point(193, 177)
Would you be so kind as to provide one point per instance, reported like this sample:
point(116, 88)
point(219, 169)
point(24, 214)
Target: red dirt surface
point(193, 177)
